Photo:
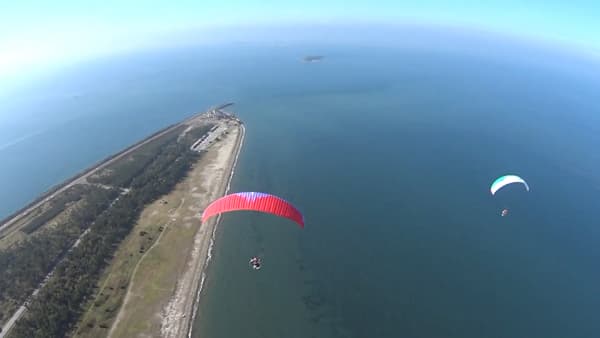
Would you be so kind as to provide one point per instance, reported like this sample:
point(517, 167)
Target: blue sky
point(42, 33)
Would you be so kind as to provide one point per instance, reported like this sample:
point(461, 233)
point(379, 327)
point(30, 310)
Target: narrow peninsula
point(119, 250)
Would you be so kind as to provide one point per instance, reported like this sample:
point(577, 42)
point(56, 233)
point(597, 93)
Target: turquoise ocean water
point(389, 152)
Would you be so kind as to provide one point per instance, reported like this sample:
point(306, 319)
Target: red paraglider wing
point(256, 201)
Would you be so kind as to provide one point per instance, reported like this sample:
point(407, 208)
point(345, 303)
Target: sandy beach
point(180, 312)
point(161, 297)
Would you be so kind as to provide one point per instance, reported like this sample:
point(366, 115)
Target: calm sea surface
point(389, 152)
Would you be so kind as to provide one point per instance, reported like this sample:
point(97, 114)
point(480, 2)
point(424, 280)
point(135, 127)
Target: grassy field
point(46, 215)
point(155, 253)
point(17, 232)
point(153, 223)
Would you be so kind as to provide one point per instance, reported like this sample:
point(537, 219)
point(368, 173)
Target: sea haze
point(389, 150)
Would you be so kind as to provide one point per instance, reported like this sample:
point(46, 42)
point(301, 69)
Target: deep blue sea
point(389, 151)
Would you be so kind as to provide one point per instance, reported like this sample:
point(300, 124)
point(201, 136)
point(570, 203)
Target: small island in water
point(313, 58)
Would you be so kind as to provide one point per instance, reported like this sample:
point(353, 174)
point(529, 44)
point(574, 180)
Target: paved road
point(13, 319)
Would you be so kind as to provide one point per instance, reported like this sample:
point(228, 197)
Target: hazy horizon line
point(327, 31)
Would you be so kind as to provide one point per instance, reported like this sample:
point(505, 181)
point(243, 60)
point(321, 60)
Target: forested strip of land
point(24, 266)
point(57, 307)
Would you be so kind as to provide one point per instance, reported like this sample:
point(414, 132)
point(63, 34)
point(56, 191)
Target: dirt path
point(178, 315)
point(161, 300)
point(133, 274)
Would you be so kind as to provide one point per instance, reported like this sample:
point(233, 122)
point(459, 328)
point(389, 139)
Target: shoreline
point(13, 221)
point(179, 313)
point(81, 176)
point(205, 266)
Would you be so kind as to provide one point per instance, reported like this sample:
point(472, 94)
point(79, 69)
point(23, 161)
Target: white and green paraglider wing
point(505, 180)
